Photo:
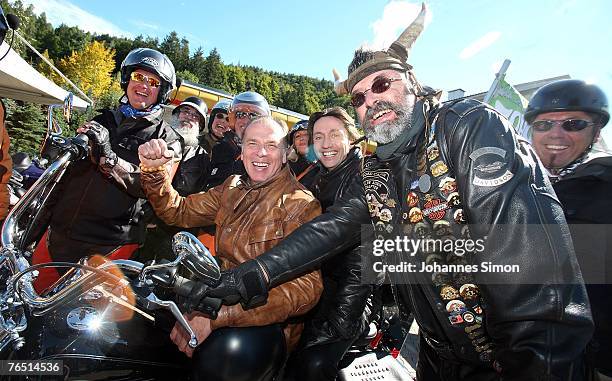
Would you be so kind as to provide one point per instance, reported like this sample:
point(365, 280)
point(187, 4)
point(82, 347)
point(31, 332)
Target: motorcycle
point(102, 319)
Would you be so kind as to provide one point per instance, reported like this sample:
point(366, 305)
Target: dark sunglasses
point(250, 115)
point(222, 116)
point(379, 86)
point(570, 125)
point(139, 77)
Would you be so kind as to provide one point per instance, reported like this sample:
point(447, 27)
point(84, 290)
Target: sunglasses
point(139, 77)
point(569, 125)
point(379, 86)
point(250, 115)
point(222, 116)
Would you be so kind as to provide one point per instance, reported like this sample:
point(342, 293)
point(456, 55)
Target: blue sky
point(461, 47)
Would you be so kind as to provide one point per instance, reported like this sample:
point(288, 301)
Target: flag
point(510, 103)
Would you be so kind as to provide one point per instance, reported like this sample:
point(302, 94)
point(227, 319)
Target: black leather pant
point(240, 354)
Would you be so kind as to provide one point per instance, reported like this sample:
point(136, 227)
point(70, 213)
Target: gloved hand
point(99, 140)
point(245, 284)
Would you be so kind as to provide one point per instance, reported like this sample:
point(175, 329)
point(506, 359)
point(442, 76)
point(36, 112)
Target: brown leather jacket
point(250, 219)
point(6, 168)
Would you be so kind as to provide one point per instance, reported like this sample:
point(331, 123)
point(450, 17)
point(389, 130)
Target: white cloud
point(479, 45)
point(64, 12)
point(144, 25)
point(397, 15)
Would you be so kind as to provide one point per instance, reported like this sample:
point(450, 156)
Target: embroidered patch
point(490, 167)
point(435, 209)
point(412, 199)
point(438, 168)
point(448, 185)
point(415, 215)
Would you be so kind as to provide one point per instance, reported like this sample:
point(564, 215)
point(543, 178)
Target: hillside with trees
point(92, 62)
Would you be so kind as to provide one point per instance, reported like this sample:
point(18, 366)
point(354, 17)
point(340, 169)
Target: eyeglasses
point(222, 116)
point(379, 86)
point(250, 115)
point(190, 114)
point(569, 125)
point(139, 77)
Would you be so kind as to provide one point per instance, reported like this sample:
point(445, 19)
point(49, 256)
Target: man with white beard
point(190, 177)
point(188, 118)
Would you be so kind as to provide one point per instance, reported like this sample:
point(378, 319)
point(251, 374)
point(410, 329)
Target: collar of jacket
point(596, 165)
point(353, 155)
point(243, 184)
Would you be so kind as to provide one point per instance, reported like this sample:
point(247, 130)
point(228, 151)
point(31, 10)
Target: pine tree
point(26, 126)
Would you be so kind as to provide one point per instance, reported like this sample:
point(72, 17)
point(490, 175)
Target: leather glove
point(198, 301)
point(99, 140)
point(245, 284)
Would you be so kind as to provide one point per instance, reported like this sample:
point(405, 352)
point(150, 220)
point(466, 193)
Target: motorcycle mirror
point(197, 258)
point(68, 107)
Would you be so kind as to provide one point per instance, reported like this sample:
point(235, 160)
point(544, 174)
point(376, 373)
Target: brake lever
point(152, 302)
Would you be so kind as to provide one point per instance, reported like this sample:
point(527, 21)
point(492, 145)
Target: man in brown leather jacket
point(252, 215)
point(6, 165)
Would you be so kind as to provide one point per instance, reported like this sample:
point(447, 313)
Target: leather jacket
point(340, 312)
point(538, 321)
point(305, 171)
point(585, 196)
point(225, 160)
point(6, 169)
point(250, 219)
point(191, 174)
point(109, 208)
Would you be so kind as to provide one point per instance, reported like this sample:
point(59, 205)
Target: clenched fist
point(154, 153)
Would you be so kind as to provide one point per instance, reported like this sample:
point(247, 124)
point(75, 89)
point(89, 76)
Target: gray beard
point(386, 132)
point(189, 134)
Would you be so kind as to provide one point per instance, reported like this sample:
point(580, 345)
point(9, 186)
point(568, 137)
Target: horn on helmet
point(401, 47)
point(339, 86)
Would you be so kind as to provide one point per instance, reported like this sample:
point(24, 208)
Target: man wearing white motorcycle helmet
point(100, 207)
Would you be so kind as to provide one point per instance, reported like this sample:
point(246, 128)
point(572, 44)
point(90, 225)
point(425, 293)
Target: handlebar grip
point(183, 286)
point(208, 305)
point(83, 137)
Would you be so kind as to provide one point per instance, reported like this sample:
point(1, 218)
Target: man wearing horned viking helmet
point(530, 325)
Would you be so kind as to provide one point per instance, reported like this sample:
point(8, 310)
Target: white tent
point(20, 81)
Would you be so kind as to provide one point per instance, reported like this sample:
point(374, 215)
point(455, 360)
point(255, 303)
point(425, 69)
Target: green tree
point(67, 39)
point(236, 79)
point(197, 63)
point(176, 49)
point(26, 126)
point(214, 74)
point(187, 75)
